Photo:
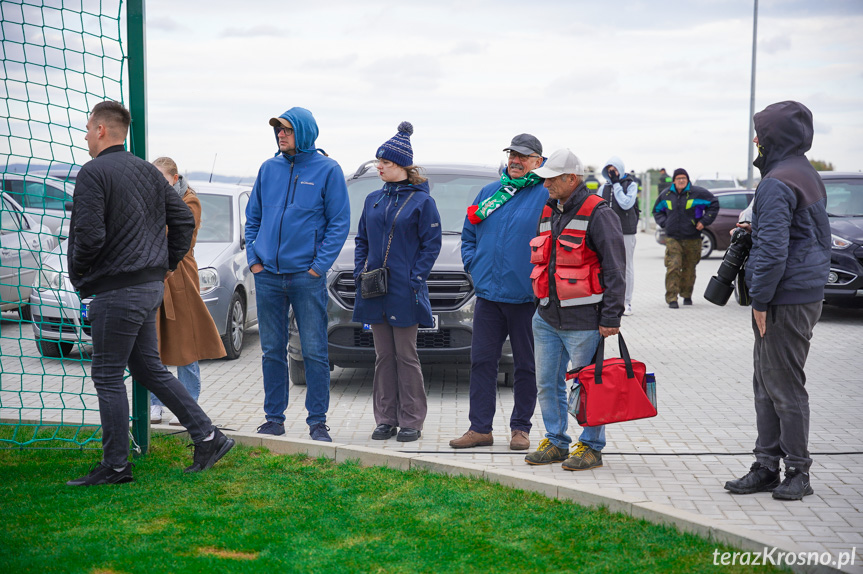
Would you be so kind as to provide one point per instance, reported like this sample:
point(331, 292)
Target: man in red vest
point(579, 278)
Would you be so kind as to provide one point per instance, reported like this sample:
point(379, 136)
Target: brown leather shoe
point(520, 440)
point(471, 439)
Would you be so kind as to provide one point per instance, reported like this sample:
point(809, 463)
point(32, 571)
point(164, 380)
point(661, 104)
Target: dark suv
point(453, 187)
point(845, 208)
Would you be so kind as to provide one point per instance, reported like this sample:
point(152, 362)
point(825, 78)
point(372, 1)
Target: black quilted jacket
point(117, 234)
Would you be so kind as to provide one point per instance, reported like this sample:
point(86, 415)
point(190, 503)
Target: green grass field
point(260, 512)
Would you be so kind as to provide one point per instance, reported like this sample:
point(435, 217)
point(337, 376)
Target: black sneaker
point(408, 434)
point(687, 301)
point(795, 486)
point(384, 432)
point(758, 479)
point(102, 474)
point(270, 427)
point(318, 431)
point(673, 305)
point(208, 452)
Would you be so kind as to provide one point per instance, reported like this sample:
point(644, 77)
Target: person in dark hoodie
point(786, 273)
point(683, 210)
point(297, 221)
point(403, 209)
point(119, 254)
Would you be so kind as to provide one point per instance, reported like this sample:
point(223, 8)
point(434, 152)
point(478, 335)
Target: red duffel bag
point(609, 390)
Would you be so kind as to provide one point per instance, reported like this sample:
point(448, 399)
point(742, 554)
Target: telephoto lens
point(721, 285)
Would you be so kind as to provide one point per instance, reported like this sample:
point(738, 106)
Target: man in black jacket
point(118, 254)
point(579, 278)
point(683, 210)
point(786, 273)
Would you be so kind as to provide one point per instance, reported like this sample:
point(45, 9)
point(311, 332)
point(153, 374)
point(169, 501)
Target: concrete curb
point(712, 530)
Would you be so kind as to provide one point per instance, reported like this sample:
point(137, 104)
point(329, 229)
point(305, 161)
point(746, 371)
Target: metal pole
point(137, 58)
point(749, 180)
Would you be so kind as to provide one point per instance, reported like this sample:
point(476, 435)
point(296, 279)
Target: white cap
point(560, 162)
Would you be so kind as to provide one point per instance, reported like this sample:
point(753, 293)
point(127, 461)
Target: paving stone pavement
point(703, 435)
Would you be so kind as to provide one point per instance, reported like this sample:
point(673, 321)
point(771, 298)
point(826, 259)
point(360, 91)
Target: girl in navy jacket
point(404, 210)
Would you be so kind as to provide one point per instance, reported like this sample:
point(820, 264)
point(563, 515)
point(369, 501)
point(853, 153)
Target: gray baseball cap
point(525, 144)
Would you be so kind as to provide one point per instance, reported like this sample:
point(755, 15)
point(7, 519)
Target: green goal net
point(60, 58)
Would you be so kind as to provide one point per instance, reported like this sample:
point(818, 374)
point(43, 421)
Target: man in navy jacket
point(297, 221)
point(786, 273)
point(496, 252)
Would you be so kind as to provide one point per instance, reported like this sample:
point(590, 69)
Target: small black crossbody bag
point(374, 283)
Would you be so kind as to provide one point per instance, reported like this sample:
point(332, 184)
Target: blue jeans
point(307, 295)
point(190, 376)
point(554, 350)
point(124, 333)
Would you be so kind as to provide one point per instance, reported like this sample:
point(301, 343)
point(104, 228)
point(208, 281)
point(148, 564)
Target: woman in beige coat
point(185, 327)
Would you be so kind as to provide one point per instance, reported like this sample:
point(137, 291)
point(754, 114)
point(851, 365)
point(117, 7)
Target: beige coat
point(185, 327)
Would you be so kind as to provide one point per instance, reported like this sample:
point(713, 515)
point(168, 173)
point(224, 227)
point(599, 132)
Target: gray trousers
point(629, 244)
point(399, 395)
point(781, 400)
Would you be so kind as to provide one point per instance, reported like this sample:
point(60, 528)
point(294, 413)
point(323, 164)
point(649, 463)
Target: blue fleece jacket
point(496, 251)
point(413, 252)
point(298, 214)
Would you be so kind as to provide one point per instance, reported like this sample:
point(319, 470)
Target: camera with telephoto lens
point(732, 267)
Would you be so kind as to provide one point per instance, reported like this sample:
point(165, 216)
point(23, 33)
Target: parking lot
point(703, 435)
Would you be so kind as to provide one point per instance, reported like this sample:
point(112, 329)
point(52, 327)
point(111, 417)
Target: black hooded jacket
point(117, 238)
point(790, 256)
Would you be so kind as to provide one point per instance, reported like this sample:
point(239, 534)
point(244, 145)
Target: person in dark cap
point(496, 252)
point(786, 273)
point(297, 221)
point(404, 209)
point(683, 210)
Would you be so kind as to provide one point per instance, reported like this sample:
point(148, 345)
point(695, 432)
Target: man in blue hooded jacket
point(786, 273)
point(496, 252)
point(297, 221)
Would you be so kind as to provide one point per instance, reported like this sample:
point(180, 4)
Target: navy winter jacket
point(790, 256)
point(415, 246)
point(678, 212)
point(496, 251)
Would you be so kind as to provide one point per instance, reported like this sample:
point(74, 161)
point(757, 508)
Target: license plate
point(434, 328)
point(83, 310)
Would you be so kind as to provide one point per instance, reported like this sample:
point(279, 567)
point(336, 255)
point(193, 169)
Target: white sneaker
point(175, 421)
point(627, 310)
point(155, 414)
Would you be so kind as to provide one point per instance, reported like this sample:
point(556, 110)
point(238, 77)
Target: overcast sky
point(659, 83)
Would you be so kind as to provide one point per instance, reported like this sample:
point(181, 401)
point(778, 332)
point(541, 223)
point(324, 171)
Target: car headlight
point(49, 279)
point(840, 242)
point(209, 279)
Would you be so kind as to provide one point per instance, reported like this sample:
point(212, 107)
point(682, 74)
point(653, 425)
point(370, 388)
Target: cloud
point(163, 23)
point(252, 32)
point(408, 73)
point(337, 63)
point(775, 44)
point(468, 48)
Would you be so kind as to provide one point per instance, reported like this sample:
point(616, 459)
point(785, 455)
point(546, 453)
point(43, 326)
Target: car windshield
point(716, 183)
point(216, 219)
point(844, 197)
point(452, 194)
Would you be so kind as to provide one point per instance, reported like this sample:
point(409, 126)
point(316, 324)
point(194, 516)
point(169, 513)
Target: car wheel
point(507, 379)
point(24, 313)
point(708, 244)
point(297, 372)
point(54, 349)
point(233, 339)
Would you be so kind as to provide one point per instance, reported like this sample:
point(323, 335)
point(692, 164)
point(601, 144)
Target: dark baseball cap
point(525, 144)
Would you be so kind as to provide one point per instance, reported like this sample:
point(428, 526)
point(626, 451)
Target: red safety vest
point(576, 266)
